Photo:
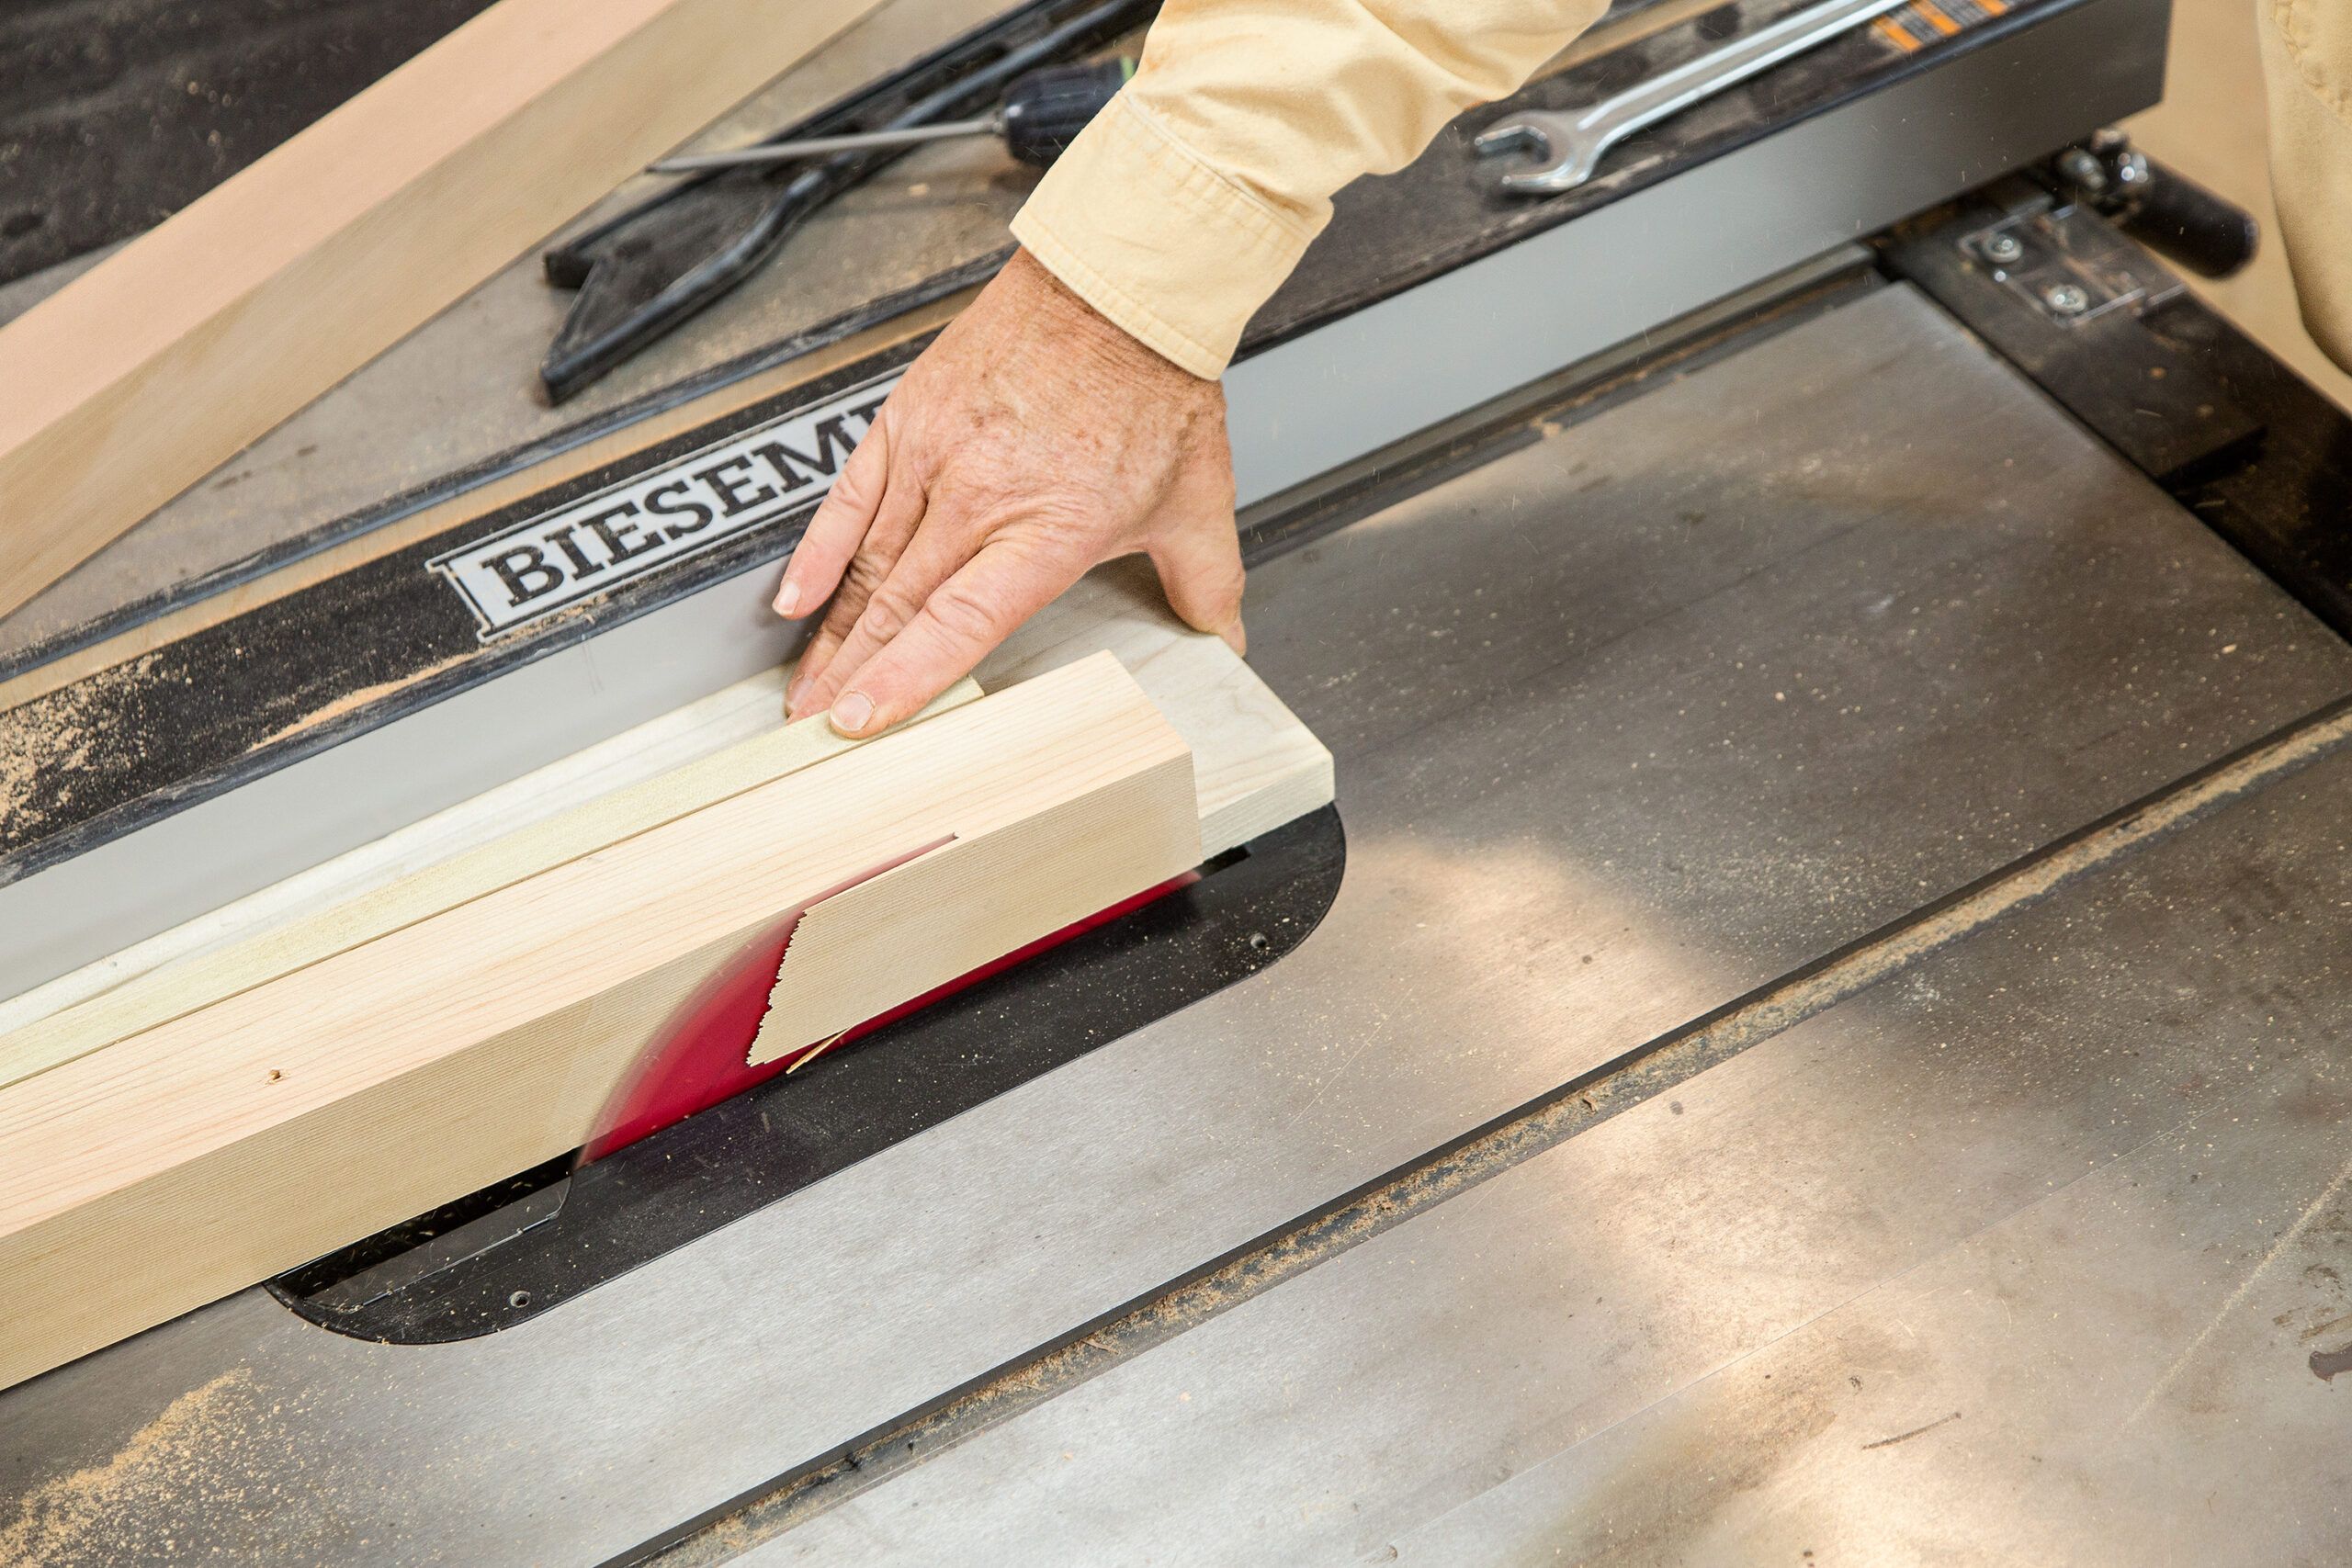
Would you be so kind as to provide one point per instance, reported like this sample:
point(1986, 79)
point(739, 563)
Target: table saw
point(1808, 1035)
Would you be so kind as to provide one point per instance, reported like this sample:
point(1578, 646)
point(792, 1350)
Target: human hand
point(1033, 440)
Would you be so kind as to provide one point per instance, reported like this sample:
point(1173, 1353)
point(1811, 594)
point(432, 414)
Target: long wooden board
point(237, 1140)
point(1255, 767)
point(150, 369)
point(475, 848)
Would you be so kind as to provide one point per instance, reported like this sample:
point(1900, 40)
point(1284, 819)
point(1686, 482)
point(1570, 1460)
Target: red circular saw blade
point(702, 1055)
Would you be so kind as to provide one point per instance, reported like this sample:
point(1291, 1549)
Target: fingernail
point(1235, 637)
point(792, 696)
point(787, 599)
point(853, 711)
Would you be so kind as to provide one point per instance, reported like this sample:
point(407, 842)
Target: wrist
point(1077, 326)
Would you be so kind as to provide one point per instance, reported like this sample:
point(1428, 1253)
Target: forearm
point(1191, 198)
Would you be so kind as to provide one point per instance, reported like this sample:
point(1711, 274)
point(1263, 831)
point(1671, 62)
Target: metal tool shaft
point(1575, 139)
point(819, 146)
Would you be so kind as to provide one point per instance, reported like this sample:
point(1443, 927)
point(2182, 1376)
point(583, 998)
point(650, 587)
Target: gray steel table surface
point(1629, 721)
point(2035, 1254)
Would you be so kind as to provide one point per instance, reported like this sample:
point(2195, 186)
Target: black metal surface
point(116, 113)
point(2289, 508)
point(2075, 307)
point(2283, 498)
point(652, 267)
point(662, 1193)
point(643, 272)
point(690, 244)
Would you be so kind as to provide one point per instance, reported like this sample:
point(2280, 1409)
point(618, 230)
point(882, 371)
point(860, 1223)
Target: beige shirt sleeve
point(2307, 57)
point(1188, 200)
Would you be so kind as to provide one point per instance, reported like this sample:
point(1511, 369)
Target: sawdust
point(359, 697)
point(74, 733)
point(108, 1513)
point(54, 737)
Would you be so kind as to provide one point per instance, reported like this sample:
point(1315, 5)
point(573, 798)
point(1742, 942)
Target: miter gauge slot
point(515, 1251)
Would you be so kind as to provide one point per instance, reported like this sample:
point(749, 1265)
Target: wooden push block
point(235, 1135)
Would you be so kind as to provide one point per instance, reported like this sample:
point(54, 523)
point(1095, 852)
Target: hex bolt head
point(2084, 169)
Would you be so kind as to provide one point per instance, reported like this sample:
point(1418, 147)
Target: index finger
point(960, 623)
point(841, 523)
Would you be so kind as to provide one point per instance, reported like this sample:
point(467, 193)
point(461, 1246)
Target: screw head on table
point(2067, 299)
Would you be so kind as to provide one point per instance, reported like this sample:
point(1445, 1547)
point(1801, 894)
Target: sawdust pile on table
point(203, 1442)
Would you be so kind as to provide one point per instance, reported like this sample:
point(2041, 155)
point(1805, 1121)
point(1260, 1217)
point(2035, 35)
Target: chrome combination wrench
point(1572, 141)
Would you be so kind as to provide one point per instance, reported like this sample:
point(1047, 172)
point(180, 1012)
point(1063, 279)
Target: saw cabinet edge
point(169, 357)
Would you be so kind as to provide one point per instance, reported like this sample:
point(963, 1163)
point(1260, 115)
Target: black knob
point(2171, 213)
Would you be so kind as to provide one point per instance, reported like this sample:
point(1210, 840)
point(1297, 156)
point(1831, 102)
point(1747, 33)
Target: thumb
point(1197, 553)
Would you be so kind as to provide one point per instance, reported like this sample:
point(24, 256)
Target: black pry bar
point(645, 270)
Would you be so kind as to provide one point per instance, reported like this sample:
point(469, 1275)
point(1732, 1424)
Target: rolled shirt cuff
point(1139, 226)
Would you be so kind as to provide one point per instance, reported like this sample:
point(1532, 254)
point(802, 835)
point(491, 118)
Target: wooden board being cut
point(148, 370)
point(653, 774)
point(239, 1139)
point(1255, 767)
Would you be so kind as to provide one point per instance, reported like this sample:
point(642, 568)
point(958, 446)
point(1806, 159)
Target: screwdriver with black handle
point(1042, 114)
